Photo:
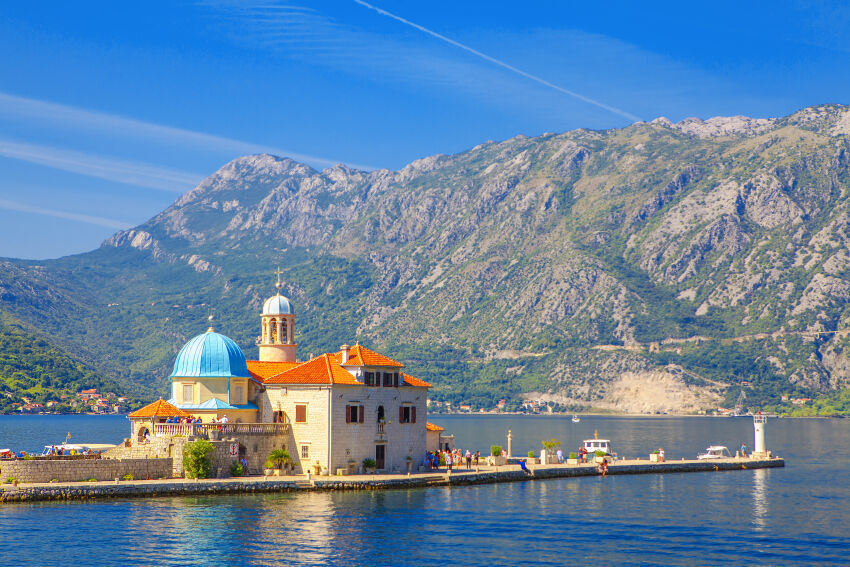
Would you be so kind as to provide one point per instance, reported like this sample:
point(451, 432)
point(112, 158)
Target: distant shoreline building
point(329, 412)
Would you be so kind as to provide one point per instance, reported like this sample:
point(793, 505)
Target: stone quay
point(257, 484)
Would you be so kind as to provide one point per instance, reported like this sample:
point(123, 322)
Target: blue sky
point(108, 111)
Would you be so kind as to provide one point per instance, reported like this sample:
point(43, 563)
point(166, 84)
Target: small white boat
point(715, 452)
point(576, 418)
point(593, 445)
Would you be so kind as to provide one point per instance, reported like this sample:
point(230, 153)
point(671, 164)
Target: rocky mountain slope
point(556, 267)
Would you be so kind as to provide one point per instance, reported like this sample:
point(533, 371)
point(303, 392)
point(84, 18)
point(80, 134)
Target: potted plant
point(369, 465)
point(268, 469)
point(496, 459)
point(599, 456)
point(551, 446)
point(573, 459)
point(532, 459)
point(408, 461)
point(277, 458)
point(653, 456)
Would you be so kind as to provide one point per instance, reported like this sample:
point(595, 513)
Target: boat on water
point(75, 448)
point(576, 418)
point(595, 444)
point(715, 452)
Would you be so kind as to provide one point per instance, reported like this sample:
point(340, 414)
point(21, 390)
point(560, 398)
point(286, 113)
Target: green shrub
point(278, 458)
point(236, 469)
point(28, 458)
point(531, 454)
point(573, 456)
point(128, 476)
point(551, 445)
point(197, 458)
point(495, 450)
point(92, 479)
point(599, 453)
point(369, 463)
point(10, 480)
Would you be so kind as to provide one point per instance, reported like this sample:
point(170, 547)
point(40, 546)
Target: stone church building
point(329, 412)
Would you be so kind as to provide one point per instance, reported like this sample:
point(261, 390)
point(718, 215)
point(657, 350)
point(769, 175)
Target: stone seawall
point(180, 487)
point(73, 470)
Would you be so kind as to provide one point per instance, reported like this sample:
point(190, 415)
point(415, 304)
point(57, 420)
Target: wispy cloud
point(22, 109)
point(88, 219)
point(111, 169)
point(500, 63)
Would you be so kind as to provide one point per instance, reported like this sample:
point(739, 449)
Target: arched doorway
point(381, 417)
point(143, 433)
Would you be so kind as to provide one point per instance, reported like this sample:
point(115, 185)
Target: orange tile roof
point(262, 370)
point(411, 381)
point(359, 355)
point(323, 369)
point(431, 427)
point(159, 408)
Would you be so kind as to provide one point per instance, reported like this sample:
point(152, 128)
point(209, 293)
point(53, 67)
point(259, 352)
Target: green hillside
point(648, 269)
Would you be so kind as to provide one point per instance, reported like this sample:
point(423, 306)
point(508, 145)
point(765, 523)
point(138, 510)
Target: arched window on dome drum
point(284, 333)
point(265, 337)
point(273, 331)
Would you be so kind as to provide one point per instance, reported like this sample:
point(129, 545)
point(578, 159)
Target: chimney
point(344, 350)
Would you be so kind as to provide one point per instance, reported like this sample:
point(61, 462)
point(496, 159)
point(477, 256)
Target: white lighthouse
point(758, 425)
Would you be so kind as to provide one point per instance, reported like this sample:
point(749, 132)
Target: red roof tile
point(431, 427)
point(359, 355)
point(262, 370)
point(323, 369)
point(159, 408)
point(411, 381)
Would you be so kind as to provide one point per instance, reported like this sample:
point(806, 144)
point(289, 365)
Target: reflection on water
point(780, 516)
point(760, 498)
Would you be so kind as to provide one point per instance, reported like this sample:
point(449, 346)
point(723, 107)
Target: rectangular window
point(404, 414)
point(188, 390)
point(305, 451)
point(388, 379)
point(300, 414)
point(370, 378)
point(395, 379)
point(237, 395)
point(354, 414)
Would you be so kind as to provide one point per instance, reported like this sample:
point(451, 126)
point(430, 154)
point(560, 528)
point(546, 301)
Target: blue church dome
point(210, 355)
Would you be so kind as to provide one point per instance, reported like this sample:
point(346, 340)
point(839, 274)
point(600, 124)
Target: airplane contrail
point(89, 219)
point(502, 64)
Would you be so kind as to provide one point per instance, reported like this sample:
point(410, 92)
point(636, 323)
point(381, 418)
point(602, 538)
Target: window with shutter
point(395, 379)
point(361, 414)
point(401, 414)
point(347, 414)
point(300, 414)
point(413, 414)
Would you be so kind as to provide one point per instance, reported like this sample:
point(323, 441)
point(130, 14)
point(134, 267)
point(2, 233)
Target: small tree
point(531, 454)
point(552, 445)
point(197, 458)
point(279, 457)
point(495, 450)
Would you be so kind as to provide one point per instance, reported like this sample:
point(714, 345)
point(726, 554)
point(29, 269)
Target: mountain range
point(661, 267)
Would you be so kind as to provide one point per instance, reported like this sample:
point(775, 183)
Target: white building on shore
point(334, 410)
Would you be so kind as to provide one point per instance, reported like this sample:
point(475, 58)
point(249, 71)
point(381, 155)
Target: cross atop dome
point(279, 283)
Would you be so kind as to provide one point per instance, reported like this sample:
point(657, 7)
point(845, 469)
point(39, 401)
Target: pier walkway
point(255, 484)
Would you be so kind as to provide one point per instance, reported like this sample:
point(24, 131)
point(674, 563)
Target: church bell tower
point(277, 342)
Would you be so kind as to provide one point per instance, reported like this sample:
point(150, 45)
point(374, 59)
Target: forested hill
point(553, 268)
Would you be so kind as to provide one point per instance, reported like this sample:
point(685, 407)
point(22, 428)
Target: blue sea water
point(792, 516)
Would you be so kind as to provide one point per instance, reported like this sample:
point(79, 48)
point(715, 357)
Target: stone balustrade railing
point(187, 429)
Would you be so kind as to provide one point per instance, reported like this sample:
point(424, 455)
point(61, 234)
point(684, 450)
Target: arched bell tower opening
point(277, 342)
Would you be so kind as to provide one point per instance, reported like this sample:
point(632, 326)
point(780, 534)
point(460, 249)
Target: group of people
point(183, 420)
point(451, 459)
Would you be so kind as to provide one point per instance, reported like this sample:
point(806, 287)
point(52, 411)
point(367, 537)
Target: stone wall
point(73, 470)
